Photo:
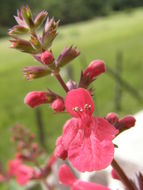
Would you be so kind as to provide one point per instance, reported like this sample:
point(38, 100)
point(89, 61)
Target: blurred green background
point(110, 30)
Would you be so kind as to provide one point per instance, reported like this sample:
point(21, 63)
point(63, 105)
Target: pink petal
point(24, 174)
point(81, 185)
point(89, 153)
point(60, 150)
point(78, 99)
point(66, 176)
point(69, 131)
point(104, 130)
point(13, 166)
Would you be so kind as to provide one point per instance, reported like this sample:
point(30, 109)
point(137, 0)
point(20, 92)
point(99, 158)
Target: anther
point(86, 106)
point(76, 109)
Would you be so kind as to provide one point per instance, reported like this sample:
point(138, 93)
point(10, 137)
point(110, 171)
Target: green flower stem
point(122, 175)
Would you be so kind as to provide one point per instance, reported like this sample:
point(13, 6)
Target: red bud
point(58, 105)
point(112, 117)
point(36, 98)
point(47, 57)
point(127, 122)
point(114, 174)
point(95, 68)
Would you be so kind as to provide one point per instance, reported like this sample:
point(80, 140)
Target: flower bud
point(71, 85)
point(58, 105)
point(40, 18)
point(66, 56)
point(127, 122)
point(95, 68)
point(49, 33)
point(114, 174)
point(47, 57)
point(18, 30)
point(33, 72)
point(112, 117)
point(27, 16)
point(23, 45)
point(36, 98)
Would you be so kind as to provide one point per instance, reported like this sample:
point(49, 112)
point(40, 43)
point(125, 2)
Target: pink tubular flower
point(86, 139)
point(66, 177)
point(47, 57)
point(36, 98)
point(94, 69)
point(24, 174)
point(13, 166)
point(58, 105)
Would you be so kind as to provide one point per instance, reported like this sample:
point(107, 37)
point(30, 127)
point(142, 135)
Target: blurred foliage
point(65, 10)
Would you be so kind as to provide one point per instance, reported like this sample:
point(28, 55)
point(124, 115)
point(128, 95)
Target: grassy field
point(96, 39)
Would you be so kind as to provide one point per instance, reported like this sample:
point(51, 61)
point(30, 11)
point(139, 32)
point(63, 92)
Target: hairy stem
point(122, 175)
point(62, 83)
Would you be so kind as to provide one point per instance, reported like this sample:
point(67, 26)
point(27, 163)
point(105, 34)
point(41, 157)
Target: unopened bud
point(66, 56)
point(58, 105)
point(35, 146)
point(50, 32)
point(36, 98)
point(40, 18)
point(114, 174)
point(18, 30)
point(47, 57)
point(33, 72)
point(95, 68)
point(27, 15)
point(23, 45)
point(127, 122)
point(71, 85)
point(112, 118)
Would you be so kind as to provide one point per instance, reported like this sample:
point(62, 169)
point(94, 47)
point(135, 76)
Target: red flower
point(66, 177)
point(22, 172)
point(87, 140)
point(36, 98)
point(47, 57)
point(95, 68)
point(58, 105)
point(13, 166)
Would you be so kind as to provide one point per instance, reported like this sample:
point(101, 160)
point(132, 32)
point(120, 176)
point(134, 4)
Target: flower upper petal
point(89, 153)
point(79, 101)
